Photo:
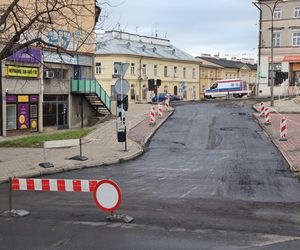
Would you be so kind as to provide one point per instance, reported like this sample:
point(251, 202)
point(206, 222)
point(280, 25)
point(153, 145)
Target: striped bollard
point(262, 109)
point(283, 129)
point(160, 110)
point(152, 115)
point(167, 107)
point(267, 117)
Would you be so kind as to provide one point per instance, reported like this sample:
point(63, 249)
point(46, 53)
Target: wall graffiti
point(60, 38)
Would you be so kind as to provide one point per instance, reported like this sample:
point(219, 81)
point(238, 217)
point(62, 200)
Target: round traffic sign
point(107, 195)
point(122, 87)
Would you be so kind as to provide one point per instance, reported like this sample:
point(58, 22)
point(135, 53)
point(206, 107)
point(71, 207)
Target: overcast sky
point(195, 26)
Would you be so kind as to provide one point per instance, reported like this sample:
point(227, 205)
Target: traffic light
point(151, 84)
point(158, 82)
point(124, 101)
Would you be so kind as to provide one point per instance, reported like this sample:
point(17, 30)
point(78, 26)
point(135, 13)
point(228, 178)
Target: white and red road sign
point(107, 195)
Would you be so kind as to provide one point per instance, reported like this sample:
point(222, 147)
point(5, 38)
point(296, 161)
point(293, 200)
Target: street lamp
point(272, 9)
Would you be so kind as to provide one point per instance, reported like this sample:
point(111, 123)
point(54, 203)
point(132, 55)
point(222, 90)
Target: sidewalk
point(101, 148)
point(290, 149)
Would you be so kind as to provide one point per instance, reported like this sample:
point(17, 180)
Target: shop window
point(11, 114)
point(49, 114)
point(277, 67)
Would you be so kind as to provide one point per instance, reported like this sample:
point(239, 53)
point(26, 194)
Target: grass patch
point(38, 140)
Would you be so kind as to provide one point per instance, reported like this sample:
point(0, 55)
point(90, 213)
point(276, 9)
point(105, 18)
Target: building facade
point(148, 58)
point(215, 68)
point(286, 46)
point(43, 89)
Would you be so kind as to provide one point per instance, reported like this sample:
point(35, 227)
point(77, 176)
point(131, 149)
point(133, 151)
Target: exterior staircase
point(93, 93)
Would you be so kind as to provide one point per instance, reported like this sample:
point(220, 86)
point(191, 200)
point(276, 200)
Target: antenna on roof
point(166, 34)
point(137, 29)
point(156, 30)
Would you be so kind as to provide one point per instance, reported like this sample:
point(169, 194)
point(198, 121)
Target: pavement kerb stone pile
point(101, 148)
point(290, 149)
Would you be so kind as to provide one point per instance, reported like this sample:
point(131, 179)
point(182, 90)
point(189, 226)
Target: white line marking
point(187, 193)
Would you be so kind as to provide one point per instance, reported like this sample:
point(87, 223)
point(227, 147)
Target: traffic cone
point(267, 117)
point(283, 129)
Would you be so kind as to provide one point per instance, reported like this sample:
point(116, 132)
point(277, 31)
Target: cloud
point(227, 25)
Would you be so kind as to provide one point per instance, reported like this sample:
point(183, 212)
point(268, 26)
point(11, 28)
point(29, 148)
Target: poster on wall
point(23, 116)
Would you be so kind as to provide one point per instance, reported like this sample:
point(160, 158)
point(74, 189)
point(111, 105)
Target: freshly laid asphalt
point(209, 179)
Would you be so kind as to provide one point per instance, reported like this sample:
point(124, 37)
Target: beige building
point(148, 58)
point(286, 42)
point(214, 68)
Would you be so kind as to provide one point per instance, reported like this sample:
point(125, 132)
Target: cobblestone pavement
point(101, 148)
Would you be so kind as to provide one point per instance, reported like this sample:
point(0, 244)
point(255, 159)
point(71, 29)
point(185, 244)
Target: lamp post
point(272, 9)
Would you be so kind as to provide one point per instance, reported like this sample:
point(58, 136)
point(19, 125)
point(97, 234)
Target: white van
point(235, 87)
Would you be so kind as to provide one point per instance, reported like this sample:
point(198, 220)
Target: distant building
point(286, 42)
point(148, 58)
point(213, 69)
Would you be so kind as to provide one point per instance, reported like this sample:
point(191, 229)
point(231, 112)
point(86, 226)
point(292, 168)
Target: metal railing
point(90, 86)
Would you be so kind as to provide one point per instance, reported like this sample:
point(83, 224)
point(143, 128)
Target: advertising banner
point(26, 55)
point(23, 116)
point(17, 71)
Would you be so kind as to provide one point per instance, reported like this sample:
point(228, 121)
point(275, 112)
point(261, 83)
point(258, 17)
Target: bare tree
point(65, 25)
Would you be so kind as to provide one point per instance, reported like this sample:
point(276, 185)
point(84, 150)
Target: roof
point(122, 43)
point(228, 63)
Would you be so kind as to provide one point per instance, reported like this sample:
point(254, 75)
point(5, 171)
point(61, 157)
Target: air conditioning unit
point(48, 74)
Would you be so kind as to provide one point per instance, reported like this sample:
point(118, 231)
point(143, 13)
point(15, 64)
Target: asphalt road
point(210, 179)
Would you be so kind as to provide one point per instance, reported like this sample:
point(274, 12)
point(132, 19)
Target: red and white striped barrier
point(167, 106)
point(262, 109)
point(152, 115)
point(160, 110)
point(283, 129)
point(107, 194)
point(22, 184)
point(267, 117)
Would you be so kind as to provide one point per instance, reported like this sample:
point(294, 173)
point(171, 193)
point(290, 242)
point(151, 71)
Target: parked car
point(176, 98)
point(162, 97)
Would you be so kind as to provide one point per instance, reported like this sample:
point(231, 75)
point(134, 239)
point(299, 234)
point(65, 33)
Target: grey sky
point(195, 26)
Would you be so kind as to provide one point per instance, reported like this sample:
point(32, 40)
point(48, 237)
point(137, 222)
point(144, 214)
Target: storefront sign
point(291, 59)
point(34, 98)
point(17, 71)
point(23, 98)
point(26, 55)
point(23, 116)
point(11, 99)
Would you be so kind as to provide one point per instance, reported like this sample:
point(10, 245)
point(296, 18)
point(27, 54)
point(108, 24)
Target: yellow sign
point(22, 71)
point(23, 98)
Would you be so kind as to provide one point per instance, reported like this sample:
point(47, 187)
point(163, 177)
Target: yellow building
point(148, 58)
point(213, 69)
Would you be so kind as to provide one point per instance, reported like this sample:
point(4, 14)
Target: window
point(194, 73)
point(132, 69)
point(11, 114)
point(276, 39)
point(297, 12)
point(144, 69)
point(277, 13)
point(166, 71)
point(175, 71)
point(115, 70)
point(296, 39)
point(211, 74)
point(60, 73)
point(155, 70)
point(277, 67)
point(98, 68)
point(184, 72)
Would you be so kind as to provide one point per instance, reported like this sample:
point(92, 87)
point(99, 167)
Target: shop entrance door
point(62, 115)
